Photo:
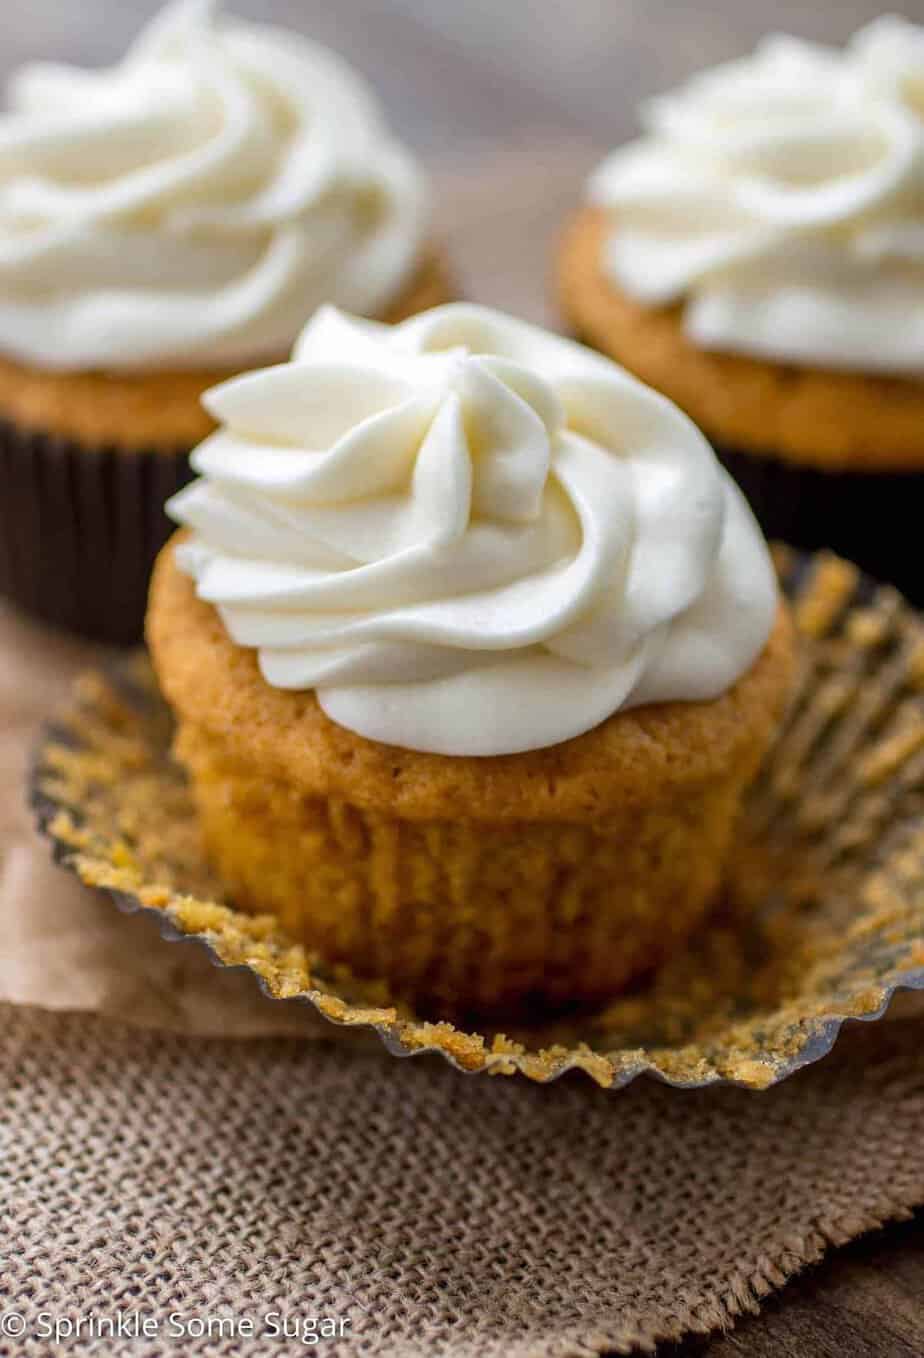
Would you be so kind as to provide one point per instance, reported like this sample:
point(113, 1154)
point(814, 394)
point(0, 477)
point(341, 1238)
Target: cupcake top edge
point(470, 536)
point(192, 205)
point(779, 199)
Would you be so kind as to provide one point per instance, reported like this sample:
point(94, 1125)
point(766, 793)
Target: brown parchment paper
point(61, 946)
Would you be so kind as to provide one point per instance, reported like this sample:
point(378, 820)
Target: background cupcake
point(474, 649)
point(164, 223)
point(759, 256)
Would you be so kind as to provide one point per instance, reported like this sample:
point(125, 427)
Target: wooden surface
point(864, 1301)
point(510, 102)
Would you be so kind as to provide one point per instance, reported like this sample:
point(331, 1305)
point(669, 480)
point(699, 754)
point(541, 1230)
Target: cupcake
point(163, 225)
point(758, 255)
point(473, 648)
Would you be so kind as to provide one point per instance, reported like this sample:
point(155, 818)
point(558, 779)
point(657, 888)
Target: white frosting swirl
point(197, 202)
point(471, 536)
point(783, 197)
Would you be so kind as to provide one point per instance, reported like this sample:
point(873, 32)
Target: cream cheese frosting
point(194, 204)
point(470, 536)
point(780, 198)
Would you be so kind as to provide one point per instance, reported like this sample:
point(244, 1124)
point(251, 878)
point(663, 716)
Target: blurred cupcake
point(164, 224)
point(759, 256)
point(473, 648)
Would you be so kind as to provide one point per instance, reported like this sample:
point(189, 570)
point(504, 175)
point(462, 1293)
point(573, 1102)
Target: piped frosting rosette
point(195, 203)
point(780, 198)
point(469, 536)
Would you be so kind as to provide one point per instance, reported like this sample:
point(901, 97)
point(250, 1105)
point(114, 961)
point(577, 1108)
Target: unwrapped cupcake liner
point(80, 527)
point(872, 518)
point(822, 918)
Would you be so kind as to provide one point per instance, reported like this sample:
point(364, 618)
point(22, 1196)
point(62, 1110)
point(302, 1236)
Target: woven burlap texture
point(437, 1215)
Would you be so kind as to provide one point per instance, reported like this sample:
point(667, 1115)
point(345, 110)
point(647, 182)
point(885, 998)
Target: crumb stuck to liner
point(80, 528)
point(823, 918)
point(870, 517)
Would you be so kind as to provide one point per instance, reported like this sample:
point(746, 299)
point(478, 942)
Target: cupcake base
point(465, 915)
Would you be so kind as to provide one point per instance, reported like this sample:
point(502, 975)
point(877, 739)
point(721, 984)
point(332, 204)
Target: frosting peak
point(196, 202)
point(470, 536)
point(781, 198)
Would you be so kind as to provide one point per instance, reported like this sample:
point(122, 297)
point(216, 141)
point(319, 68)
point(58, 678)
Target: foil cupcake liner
point(871, 518)
point(822, 918)
point(80, 527)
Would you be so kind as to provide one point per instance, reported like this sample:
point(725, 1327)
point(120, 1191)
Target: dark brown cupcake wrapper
point(871, 518)
point(80, 527)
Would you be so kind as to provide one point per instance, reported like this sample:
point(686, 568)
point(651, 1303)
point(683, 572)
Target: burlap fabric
point(207, 1179)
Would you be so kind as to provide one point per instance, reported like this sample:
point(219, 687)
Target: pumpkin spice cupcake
point(759, 257)
point(164, 224)
point(473, 649)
